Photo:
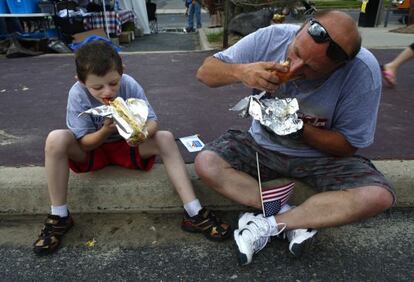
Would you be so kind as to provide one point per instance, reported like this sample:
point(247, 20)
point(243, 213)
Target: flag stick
point(259, 180)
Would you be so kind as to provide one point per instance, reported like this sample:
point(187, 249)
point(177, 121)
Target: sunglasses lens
point(320, 35)
point(317, 32)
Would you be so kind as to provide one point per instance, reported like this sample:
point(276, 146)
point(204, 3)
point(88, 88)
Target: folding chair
point(152, 18)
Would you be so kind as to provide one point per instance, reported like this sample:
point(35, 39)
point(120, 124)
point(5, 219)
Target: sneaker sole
point(297, 249)
point(192, 230)
point(241, 257)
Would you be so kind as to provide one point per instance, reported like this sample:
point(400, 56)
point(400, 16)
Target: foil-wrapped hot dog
point(130, 117)
point(278, 115)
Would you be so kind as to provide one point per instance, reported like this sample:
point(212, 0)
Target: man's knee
point(378, 199)
point(206, 164)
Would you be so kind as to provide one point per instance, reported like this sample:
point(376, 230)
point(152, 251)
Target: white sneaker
point(300, 239)
point(253, 236)
point(246, 217)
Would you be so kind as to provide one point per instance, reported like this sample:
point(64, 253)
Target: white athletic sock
point(193, 207)
point(61, 211)
point(273, 224)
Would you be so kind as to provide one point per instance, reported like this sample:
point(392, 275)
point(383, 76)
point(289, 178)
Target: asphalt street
point(150, 247)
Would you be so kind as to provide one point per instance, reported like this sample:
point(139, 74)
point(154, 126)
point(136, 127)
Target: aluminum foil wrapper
point(137, 108)
point(278, 115)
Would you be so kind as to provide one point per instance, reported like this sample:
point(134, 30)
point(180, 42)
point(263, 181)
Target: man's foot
point(208, 223)
point(246, 217)
point(252, 236)
point(189, 29)
point(52, 233)
point(300, 240)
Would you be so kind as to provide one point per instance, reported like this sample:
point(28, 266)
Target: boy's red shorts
point(115, 153)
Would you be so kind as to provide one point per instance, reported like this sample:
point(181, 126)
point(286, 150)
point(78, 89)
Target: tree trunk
point(411, 14)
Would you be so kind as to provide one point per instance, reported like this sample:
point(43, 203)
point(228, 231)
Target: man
point(338, 94)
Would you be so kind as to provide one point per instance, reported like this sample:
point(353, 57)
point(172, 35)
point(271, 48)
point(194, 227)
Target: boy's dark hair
point(98, 58)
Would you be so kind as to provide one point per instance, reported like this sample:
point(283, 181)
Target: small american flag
point(275, 197)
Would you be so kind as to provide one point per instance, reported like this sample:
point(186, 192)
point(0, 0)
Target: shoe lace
point(260, 232)
point(212, 217)
point(47, 230)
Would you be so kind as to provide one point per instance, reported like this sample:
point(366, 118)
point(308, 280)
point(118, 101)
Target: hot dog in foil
point(129, 116)
point(278, 115)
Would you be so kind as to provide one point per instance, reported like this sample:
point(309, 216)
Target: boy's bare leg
point(163, 144)
point(60, 146)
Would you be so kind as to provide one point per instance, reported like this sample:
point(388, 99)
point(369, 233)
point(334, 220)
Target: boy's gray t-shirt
point(346, 102)
point(80, 100)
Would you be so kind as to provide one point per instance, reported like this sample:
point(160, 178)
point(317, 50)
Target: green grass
point(215, 37)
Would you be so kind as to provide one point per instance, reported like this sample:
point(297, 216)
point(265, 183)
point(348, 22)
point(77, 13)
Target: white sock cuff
point(193, 207)
point(61, 211)
point(273, 224)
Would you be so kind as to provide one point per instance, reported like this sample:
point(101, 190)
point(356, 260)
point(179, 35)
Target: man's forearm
point(215, 73)
point(328, 141)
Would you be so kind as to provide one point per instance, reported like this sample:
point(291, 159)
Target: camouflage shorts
point(321, 173)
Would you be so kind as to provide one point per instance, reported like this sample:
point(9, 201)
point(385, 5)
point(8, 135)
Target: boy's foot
point(253, 236)
point(52, 233)
point(300, 240)
point(208, 223)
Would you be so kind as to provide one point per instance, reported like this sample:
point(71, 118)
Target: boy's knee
point(58, 140)
point(164, 137)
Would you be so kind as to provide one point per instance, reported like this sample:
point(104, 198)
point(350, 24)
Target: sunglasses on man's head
point(320, 35)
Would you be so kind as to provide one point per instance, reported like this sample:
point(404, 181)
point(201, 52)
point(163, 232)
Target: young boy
point(92, 143)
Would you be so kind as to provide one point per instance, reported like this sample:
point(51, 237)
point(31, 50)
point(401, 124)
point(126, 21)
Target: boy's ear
point(76, 77)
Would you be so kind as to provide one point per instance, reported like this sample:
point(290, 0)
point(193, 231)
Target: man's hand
point(261, 75)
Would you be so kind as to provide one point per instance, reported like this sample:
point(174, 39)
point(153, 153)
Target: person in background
point(194, 9)
point(214, 8)
point(389, 70)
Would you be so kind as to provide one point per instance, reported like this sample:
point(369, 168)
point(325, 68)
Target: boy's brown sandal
point(208, 223)
point(51, 235)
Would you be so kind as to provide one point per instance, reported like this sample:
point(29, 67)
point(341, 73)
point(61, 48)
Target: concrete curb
point(113, 189)
point(204, 44)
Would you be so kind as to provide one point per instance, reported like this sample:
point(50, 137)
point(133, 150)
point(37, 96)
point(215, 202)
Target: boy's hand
point(137, 140)
point(109, 125)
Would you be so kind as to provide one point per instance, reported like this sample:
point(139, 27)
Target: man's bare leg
point(325, 209)
point(231, 183)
